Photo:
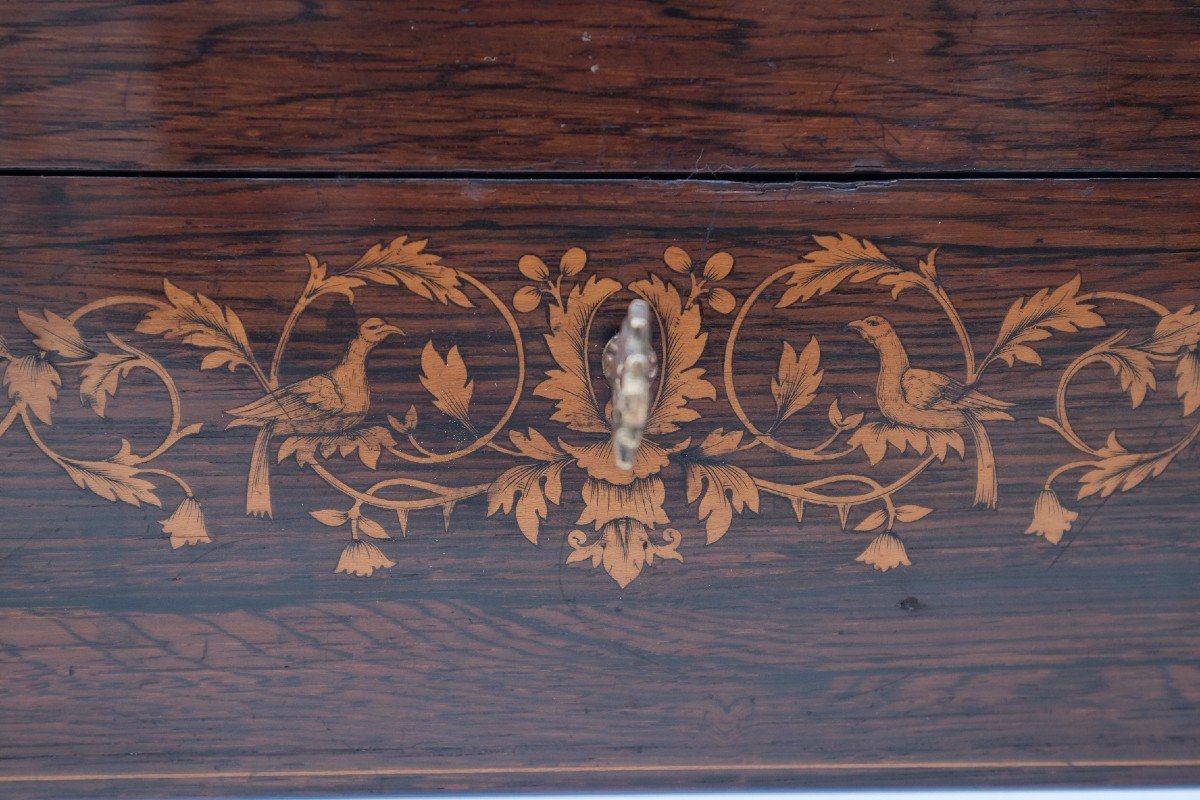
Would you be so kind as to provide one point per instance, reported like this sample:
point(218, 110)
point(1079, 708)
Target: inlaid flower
point(362, 558)
point(886, 551)
point(186, 526)
point(1050, 518)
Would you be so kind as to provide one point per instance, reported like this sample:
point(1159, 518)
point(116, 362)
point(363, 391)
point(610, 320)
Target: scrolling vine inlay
point(624, 526)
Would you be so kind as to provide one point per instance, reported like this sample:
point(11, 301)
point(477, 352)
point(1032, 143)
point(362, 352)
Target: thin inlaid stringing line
point(416, 772)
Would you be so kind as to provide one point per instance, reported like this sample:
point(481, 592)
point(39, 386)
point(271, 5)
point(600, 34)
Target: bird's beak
point(857, 325)
point(388, 330)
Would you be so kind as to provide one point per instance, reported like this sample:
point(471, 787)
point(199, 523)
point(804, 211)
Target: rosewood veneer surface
point(795, 587)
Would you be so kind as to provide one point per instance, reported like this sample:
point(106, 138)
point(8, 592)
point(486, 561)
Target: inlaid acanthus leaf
point(111, 480)
point(527, 487)
point(570, 386)
point(320, 282)
point(1035, 318)
point(1132, 366)
point(200, 322)
point(722, 488)
point(683, 343)
point(1174, 331)
point(841, 258)
point(925, 277)
point(33, 381)
point(1120, 470)
point(403, 262)
point(368, 443)
point(447, 380)
point(101, 377)
point(55, 334)
point(796, 381)
point(536, 446)
point(875, 437)
point(624, 547)
point(1187, 386)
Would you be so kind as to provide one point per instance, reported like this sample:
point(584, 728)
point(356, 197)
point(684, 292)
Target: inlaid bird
point(327, 404)
point(920, 398)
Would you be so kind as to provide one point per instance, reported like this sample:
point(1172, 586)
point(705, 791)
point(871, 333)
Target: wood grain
point(482, 662)
point(579, 86)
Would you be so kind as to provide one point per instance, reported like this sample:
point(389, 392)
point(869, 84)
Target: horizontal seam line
point(715, 176)
point(874, 766)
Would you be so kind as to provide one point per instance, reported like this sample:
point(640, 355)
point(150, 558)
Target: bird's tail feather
point(258, 485)
point(986, 488)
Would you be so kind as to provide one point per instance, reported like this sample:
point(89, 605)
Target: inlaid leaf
point(570, 386)
point(447, 380)
point(1175, 331)
point(912, 513)
point(899, 281)
point(1131, 365)
point(718, 267)
point(796, 381)
point(572, 262)
point(536, 446)
point(677, 259)
point(1120, 470)
point(200, 322)
point(112, 480)
point(925, 276)
point(841, 258)
point(102, 376)
point(533, 268)
point(369, 527)
point(525, 489)
point(1187, 386)
point(403, 262)
point(721, 300)
point(723, 489)
point(330, 516)
point(1034, 319)
point(872, 521)
point(320, 282)
point(368, 443)
point(527, 299)
point(683, 343)
point(406, 425)
point(55, 334)
point(875, 437)
point(33, 381)
point(839, 420)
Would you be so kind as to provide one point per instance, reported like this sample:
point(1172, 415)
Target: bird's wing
point(311, 399)
point(937, 392)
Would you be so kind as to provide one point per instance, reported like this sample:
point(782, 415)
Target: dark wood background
point(216, 143)
point(703, 85)
point(482, 651)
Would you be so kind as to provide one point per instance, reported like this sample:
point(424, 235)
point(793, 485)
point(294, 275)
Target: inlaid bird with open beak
point(920, 398)
point(327, 404)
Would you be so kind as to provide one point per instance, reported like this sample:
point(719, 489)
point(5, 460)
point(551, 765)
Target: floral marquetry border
point(624, 526)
